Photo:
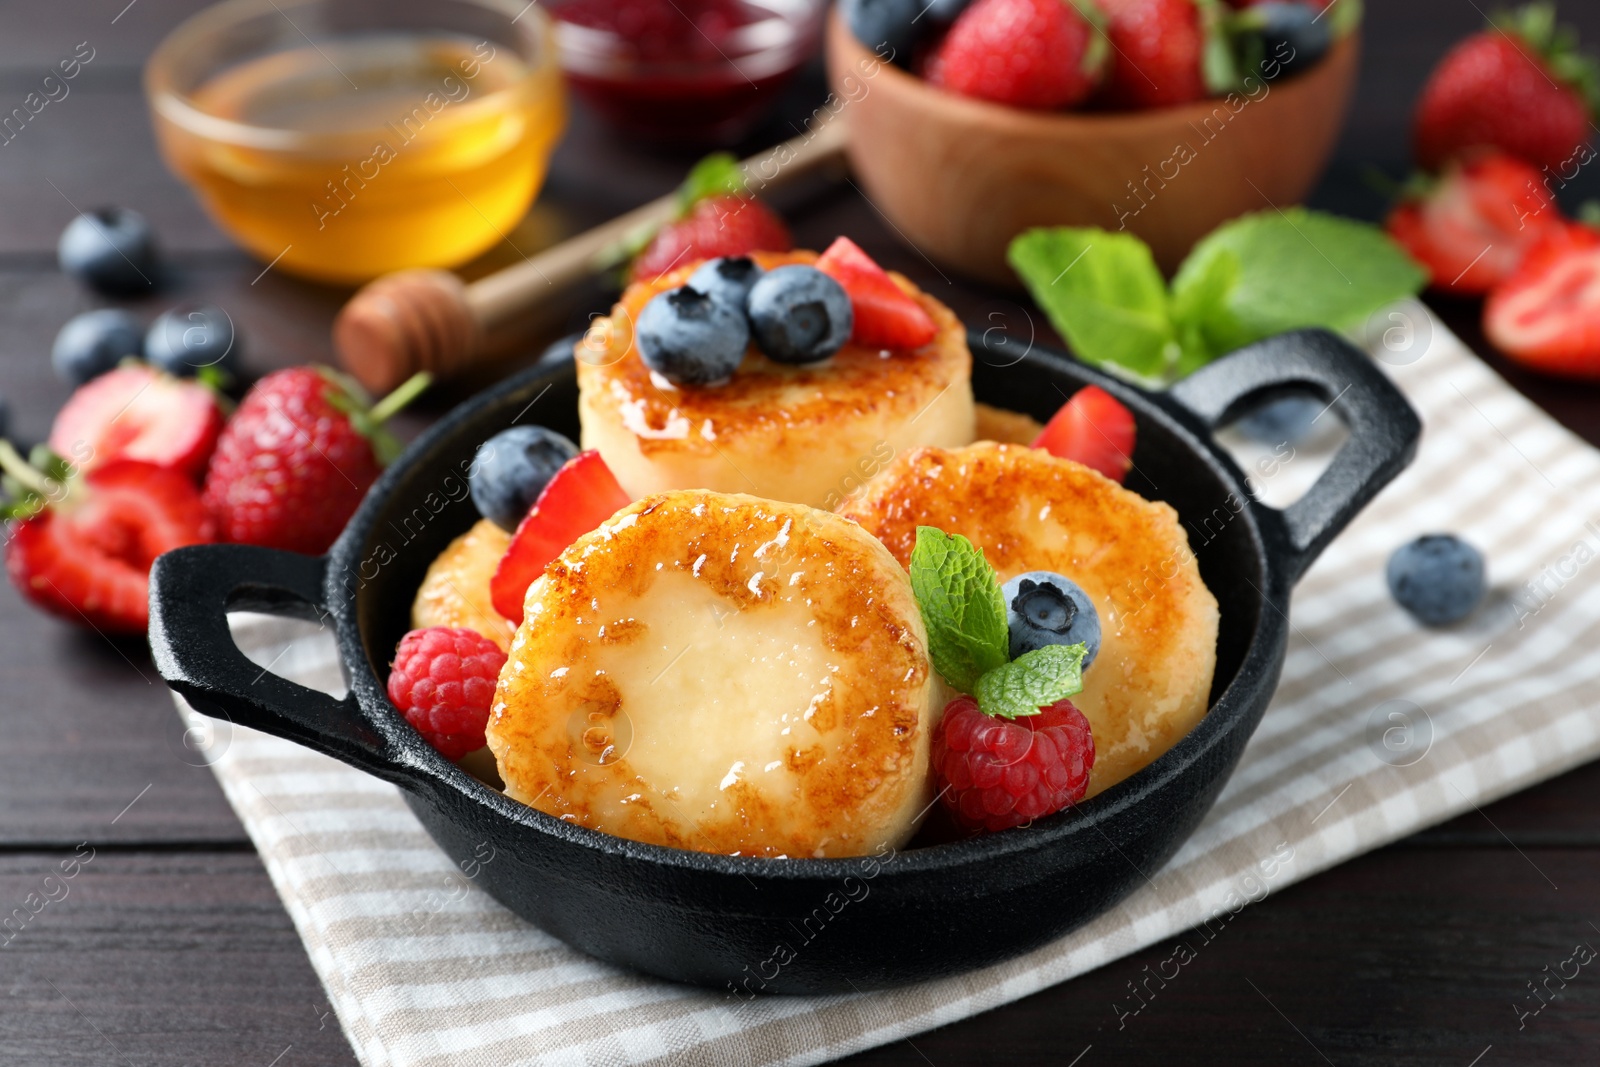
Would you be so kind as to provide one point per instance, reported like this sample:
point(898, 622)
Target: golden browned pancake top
point(610, 710)
point(770, 401)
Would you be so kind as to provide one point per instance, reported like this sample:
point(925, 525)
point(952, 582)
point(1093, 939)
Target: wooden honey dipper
point(416, 320)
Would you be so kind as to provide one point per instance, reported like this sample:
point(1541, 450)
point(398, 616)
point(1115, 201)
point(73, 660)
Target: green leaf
point(961, 607)
point(1296, 268)
point(1344, 17)
point(718, 174)
point(1032, 681)
point(48, 463)
point(1219, 67)
point(1200, 315)
point(1103, 293)
point(1098, 51)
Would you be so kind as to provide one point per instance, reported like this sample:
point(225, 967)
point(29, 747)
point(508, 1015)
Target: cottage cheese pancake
point(455, 591)
point(1029, 511)
point(798, 433)
point(722, 673)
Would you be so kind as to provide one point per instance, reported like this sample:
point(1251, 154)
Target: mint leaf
point(1032, 681)
point(961, 607)
point(1103, 293)
point(1200, 315)
point(1296, 268)
point(718, 174)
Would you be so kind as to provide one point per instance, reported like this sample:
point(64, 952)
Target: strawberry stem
point(408, 391)
point(30, 477)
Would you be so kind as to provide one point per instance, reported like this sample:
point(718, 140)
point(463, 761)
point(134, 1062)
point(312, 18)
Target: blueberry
point(1291, 36)
point(799, 314)
point(691, 338)
point(1046, 609)
point(185, 339)
point(112, 250)
point(888, 27)
point(727, 279)
point(93, 343)
point(512, 468)
point(1286, 419)
point(1438, 578)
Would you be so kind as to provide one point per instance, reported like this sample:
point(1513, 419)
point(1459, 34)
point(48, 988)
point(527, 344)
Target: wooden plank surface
point(170, 946)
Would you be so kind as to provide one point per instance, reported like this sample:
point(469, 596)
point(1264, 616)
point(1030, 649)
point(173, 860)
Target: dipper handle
point(430, 320)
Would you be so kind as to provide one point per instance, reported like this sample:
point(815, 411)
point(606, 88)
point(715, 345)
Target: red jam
point(684, 71)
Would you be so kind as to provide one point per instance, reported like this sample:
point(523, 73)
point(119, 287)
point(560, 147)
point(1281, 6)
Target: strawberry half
point(1547, 315)
point(139, 413)
point(84, 553)
point(886, 316)
point(583, 494)
point(1472, 227)
point(1092, 428)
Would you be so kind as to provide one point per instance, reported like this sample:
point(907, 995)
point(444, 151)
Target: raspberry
point(996, 773)
point(443, 681)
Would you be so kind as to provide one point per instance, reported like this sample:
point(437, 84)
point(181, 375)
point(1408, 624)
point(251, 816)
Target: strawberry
point(583, 494)
point(717, 216)
point(1472, 227)
point(297, 457)
point(1094, 429)
point(1547, 315)
point(1157, 48)
point(137, 412)
point(1519, 86)
point(715, 226)
point(82, 542)
point(886, 316)
point(1315, 5)
point(1025, 53)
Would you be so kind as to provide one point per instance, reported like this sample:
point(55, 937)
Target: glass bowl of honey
point(344, 139)
point(685, 72)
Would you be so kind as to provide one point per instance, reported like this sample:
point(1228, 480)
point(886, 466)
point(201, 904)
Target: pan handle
point(191, 592)
point(1383, 429)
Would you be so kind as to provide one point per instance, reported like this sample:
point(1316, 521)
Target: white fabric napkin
point(1379, 729)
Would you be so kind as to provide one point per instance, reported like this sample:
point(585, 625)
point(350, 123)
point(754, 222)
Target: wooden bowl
point(961, 177)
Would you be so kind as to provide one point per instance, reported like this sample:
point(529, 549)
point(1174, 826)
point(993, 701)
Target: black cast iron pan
point(800, 926)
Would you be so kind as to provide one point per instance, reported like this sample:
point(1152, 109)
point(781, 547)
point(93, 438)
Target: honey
point(355, 156)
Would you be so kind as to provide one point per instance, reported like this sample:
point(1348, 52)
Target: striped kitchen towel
point(1379, 728)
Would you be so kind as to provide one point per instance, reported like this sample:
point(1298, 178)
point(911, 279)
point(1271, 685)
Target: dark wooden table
point(170, 946)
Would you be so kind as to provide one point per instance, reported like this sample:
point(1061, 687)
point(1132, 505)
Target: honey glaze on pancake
point(725, 674)
point(783, 405)
point(1028, 510)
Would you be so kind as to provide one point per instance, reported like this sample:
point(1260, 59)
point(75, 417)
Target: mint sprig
point(961, 606)
point(964, 613)
point(1253, 277)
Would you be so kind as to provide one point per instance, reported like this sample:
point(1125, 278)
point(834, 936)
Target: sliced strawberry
point(886, 316)
point(583, 494)
point(1094, 429)
point(87, 556)
point(1547, 314)
point(140, 414)
point(1472, 228)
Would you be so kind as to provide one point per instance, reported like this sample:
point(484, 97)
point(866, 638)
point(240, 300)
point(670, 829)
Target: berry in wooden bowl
point(959, 175)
